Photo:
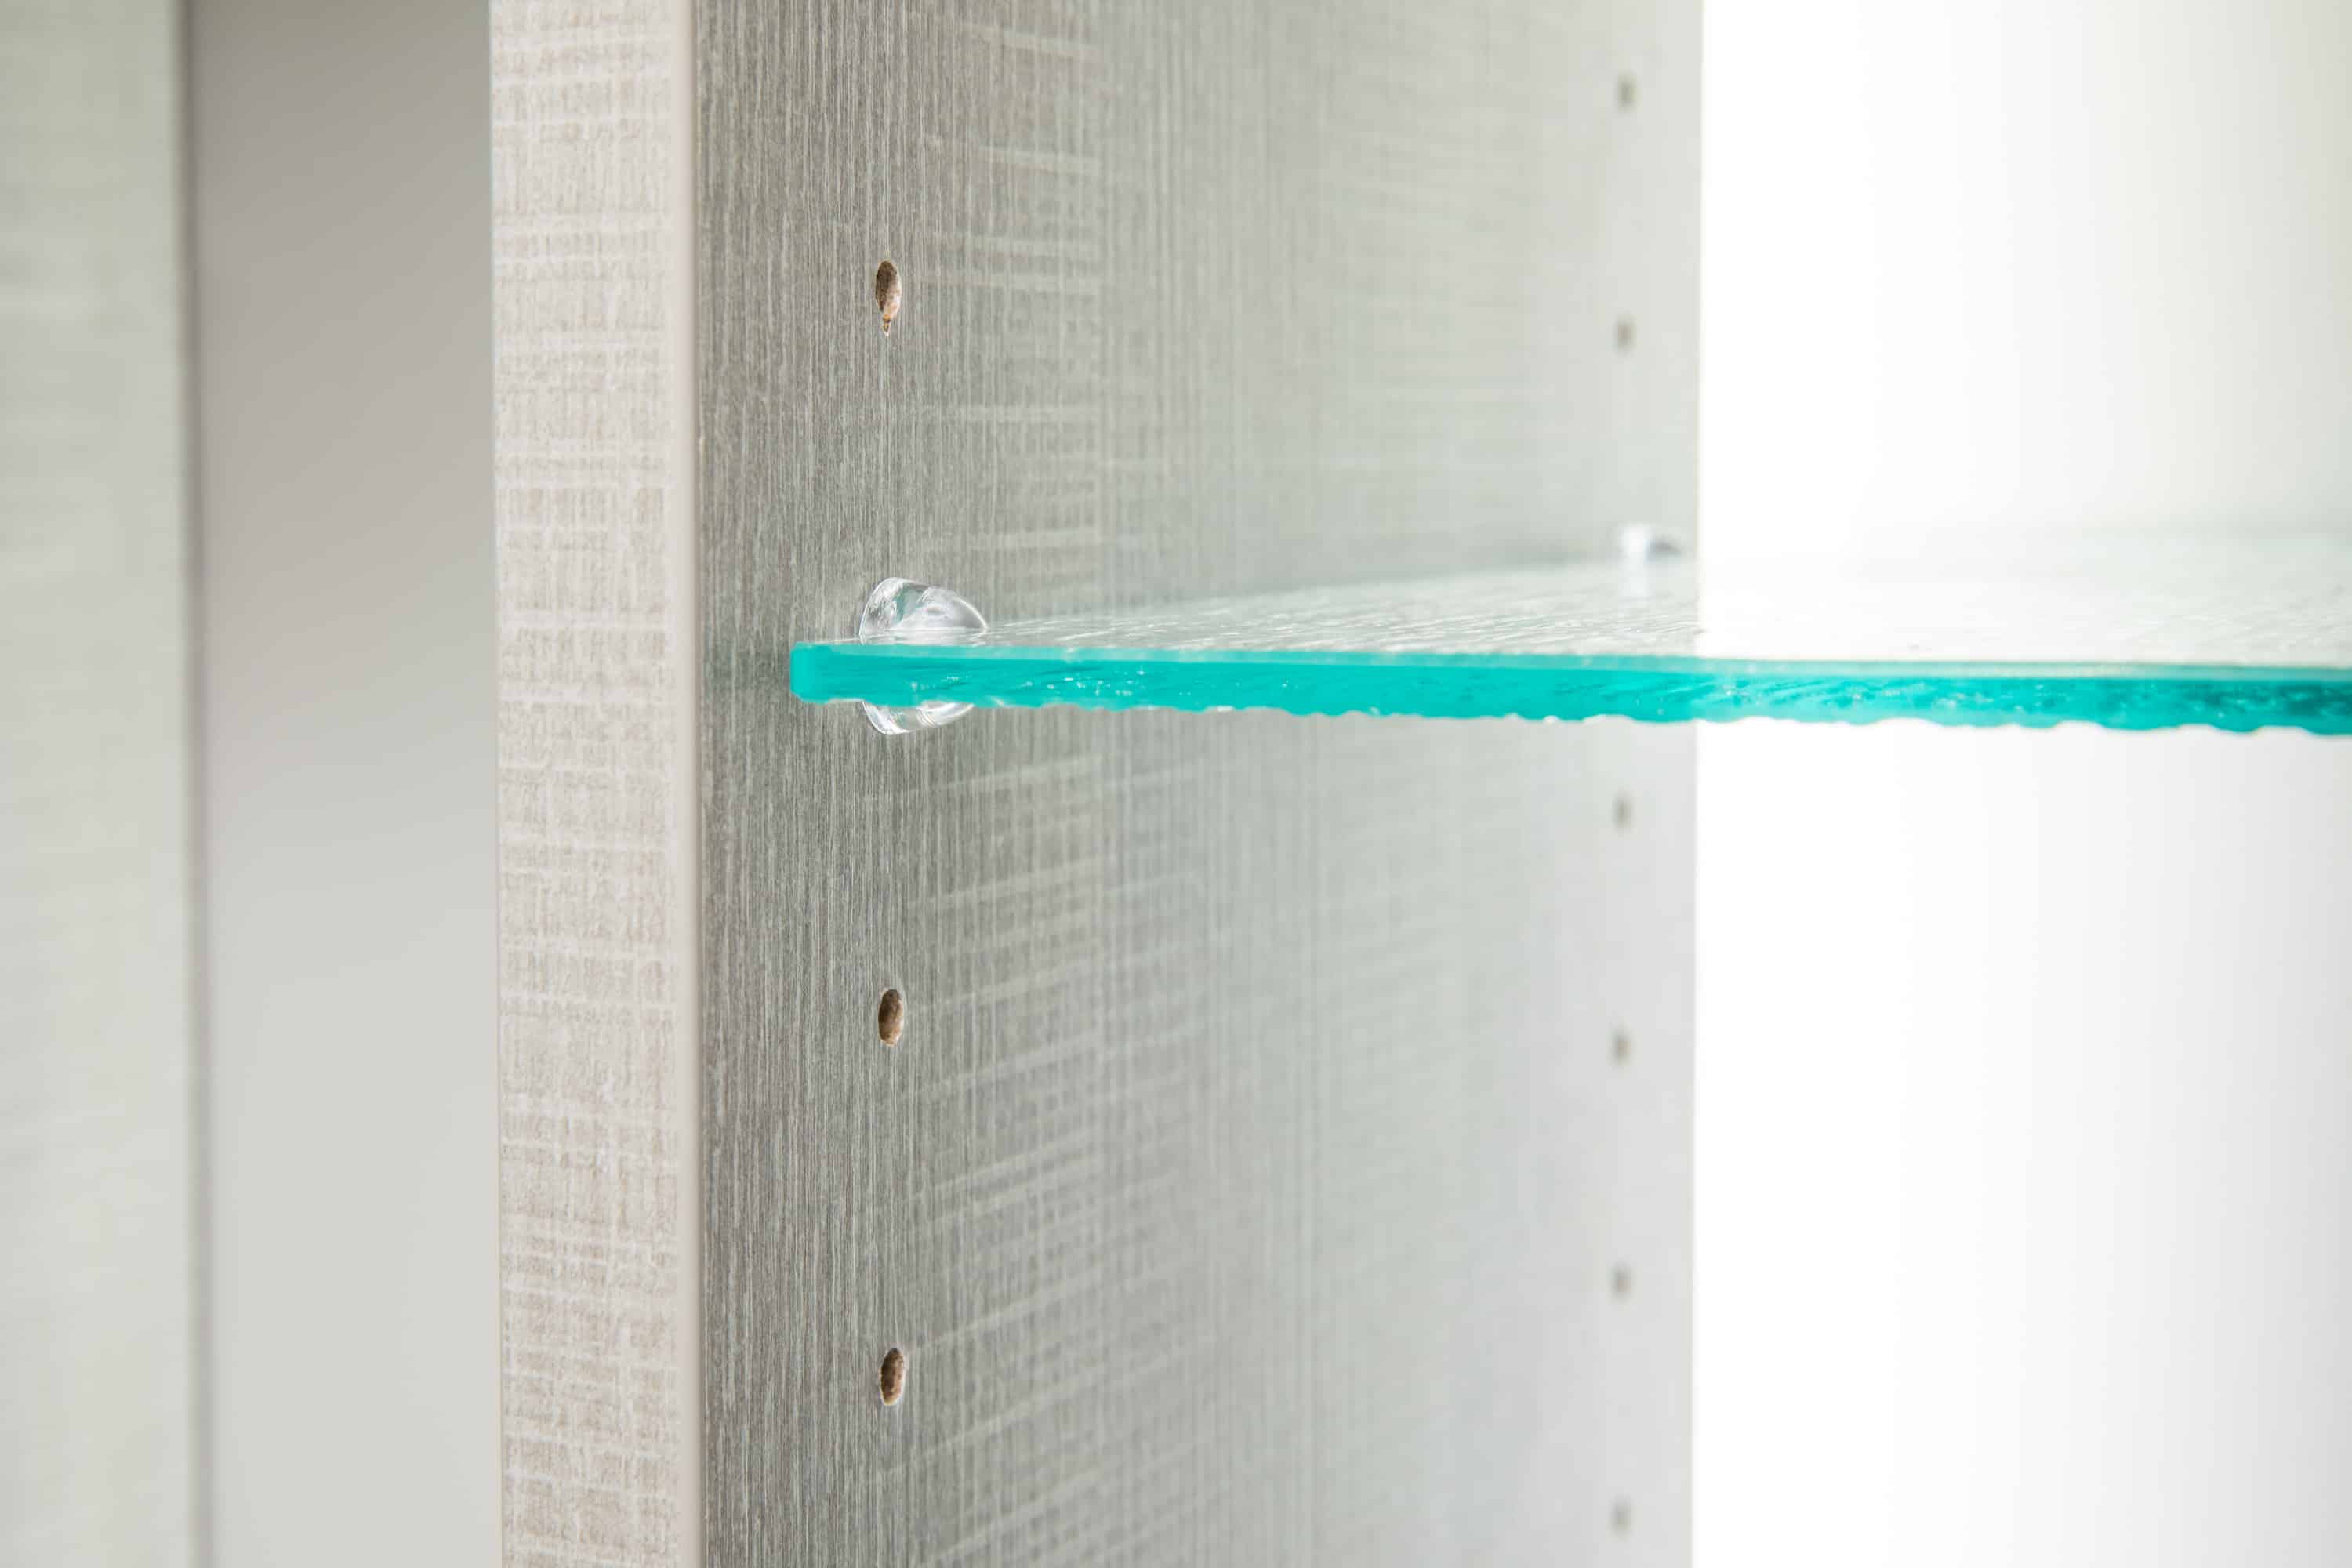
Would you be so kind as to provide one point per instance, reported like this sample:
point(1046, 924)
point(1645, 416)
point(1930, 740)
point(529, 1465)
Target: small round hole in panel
point(894, 1376)
point(890, 1018)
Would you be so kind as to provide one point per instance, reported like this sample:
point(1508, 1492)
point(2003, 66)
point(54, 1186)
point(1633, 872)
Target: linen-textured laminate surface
point(1256, 1179)
point(597, 1100)
point(98, 1207)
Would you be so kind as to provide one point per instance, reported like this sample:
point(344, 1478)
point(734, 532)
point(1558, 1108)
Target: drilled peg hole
point(894, 1376)
point(1620, 1281)
point(1622, 812)
point(1620, 1517)
point(1621, 1048)
point(1628, 90)
point(890, 1018)
point(1624, 334)
point(888, 293)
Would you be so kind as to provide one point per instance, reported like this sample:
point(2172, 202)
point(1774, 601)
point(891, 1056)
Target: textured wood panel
point(597, 1085)
point(98, 1376)
point(1256, 1180)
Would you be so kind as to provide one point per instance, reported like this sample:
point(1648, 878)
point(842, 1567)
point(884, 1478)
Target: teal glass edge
point(1548, 686)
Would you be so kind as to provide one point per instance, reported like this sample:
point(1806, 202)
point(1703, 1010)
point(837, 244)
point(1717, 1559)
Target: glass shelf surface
point(2130, 634)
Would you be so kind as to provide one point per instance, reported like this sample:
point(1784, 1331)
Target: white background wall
point(2024, 263)
point(2024, 1163)
point(340, 186)
point(98, 1245)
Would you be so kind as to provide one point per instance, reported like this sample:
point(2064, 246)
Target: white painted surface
point(2024, 263)
point(97, 1049)
point(341, 200)
point(2024, 1148)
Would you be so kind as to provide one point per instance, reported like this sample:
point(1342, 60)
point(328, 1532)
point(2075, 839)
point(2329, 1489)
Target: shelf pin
point(899, 611)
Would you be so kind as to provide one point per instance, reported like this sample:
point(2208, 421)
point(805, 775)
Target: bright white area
point(2024, 1147)
point(2024, 1131)
point(2019, 264)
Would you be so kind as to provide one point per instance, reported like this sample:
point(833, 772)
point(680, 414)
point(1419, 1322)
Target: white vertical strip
point(96, 1254)
point(2024, 1186)
point(599, 1087)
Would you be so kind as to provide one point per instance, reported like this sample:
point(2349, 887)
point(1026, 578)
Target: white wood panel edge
point(598, 1071)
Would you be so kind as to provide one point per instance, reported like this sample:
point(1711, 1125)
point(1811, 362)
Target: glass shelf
point(2128, 633)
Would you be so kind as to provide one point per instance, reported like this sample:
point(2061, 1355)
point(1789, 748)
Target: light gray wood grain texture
point(1251, 1179)
point(597, 1076)
point(98, 1270)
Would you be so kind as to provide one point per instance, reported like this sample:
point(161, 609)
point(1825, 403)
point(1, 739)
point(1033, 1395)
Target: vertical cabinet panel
point(1257, 1176)
point(598, 1090)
